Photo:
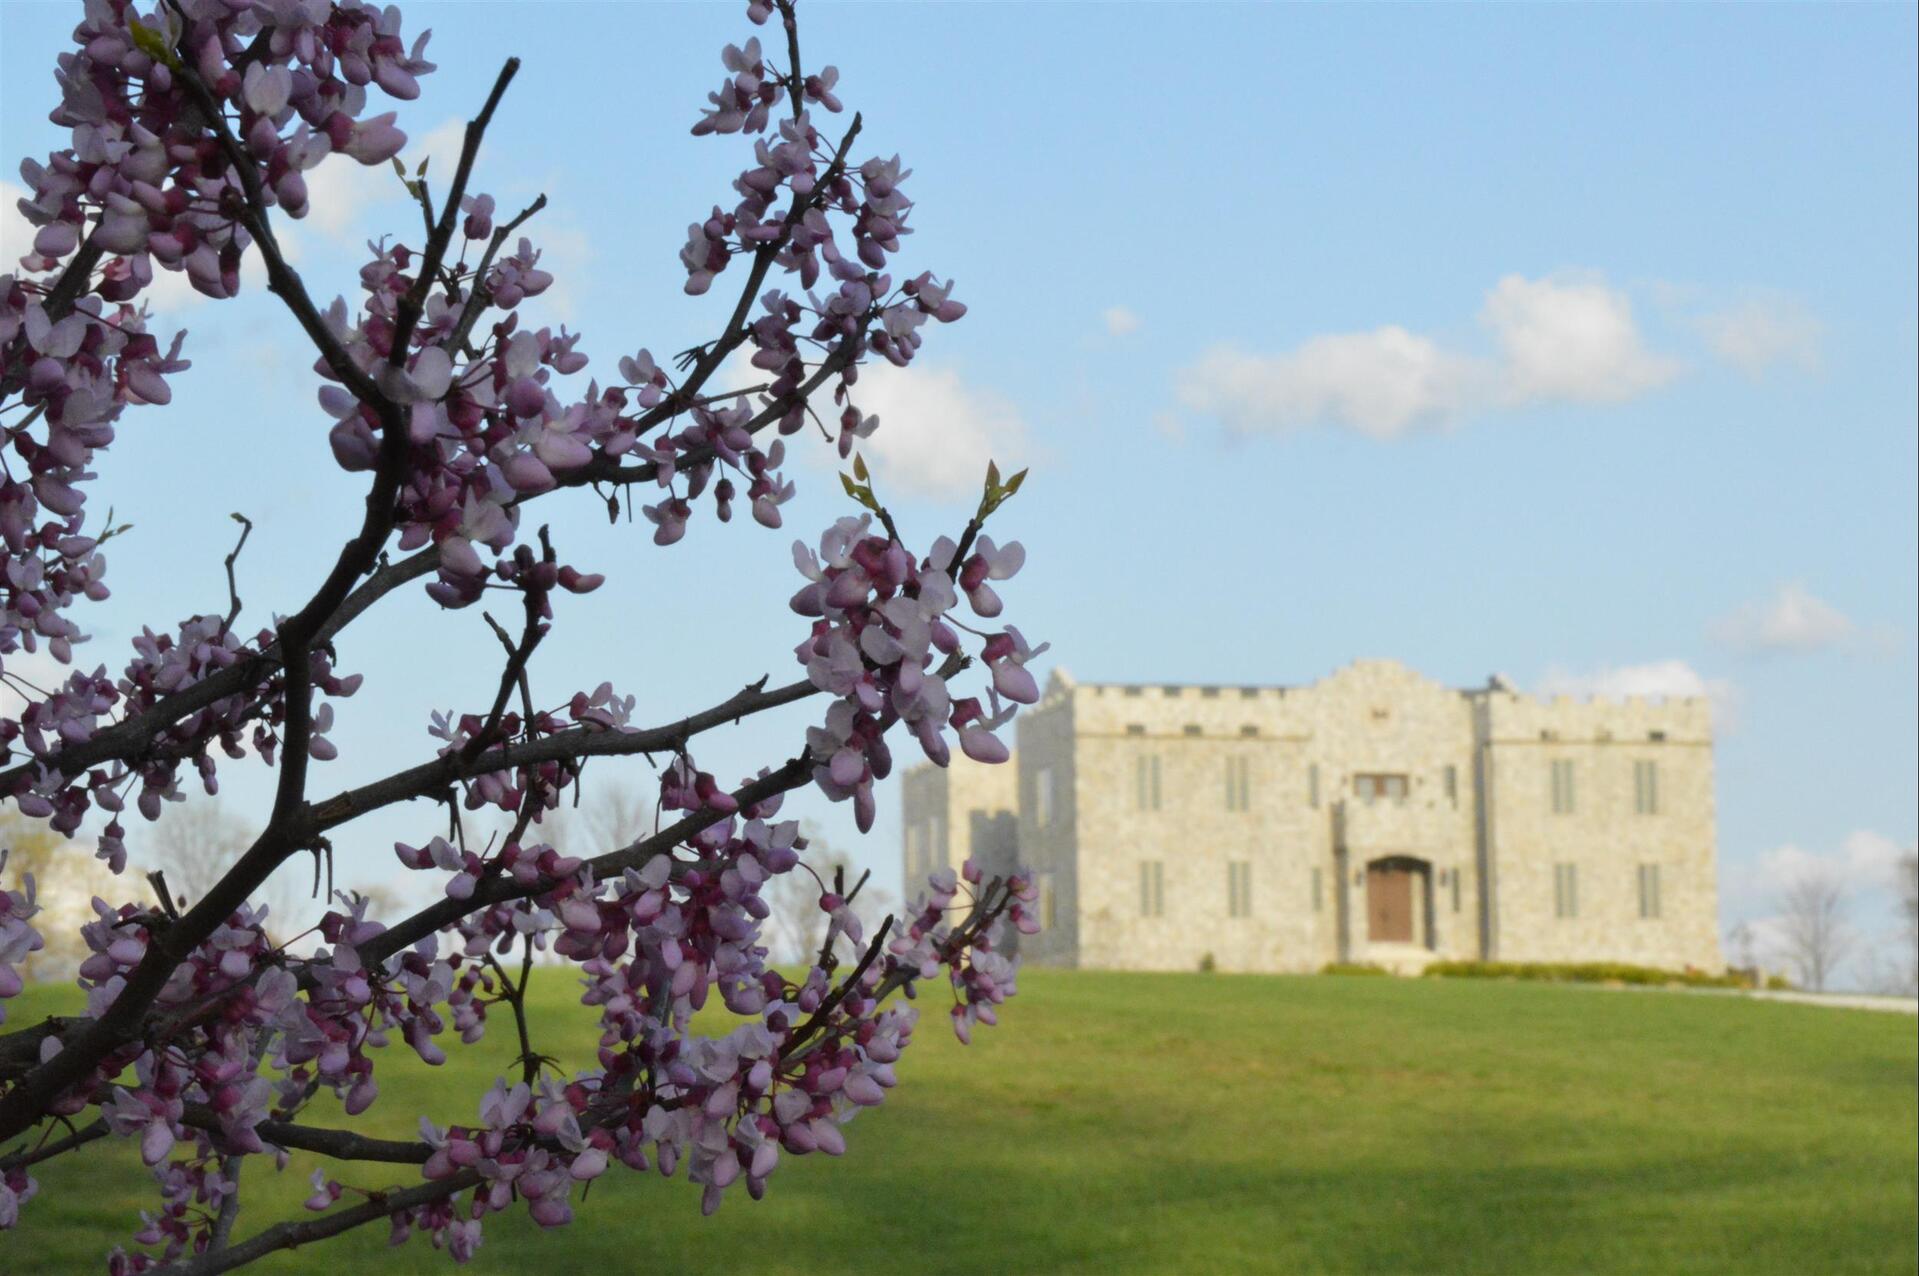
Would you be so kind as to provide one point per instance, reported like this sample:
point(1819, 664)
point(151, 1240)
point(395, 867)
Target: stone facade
point(1374, 816)
point(956, 811)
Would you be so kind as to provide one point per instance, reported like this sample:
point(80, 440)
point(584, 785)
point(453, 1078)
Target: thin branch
point(763, 257)
point(75, 280)
point(342, 1145)
point(127, 740)
point(577, 742)
point(21, 1107)
point(513, 675)
point(377, 1206)
point(230, 1167)
point(497, 890)
point(233, 588)
point(479, 298)
point(282, 280)
point(413, 305)
point(826, 1008)
point(514, 994)
point(47, 1151)
point(606, 469)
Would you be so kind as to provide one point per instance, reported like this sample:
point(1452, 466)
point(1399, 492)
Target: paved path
point(1830, 1000)
point(1844, 1001)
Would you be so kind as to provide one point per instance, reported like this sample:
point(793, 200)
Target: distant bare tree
point(1905, 874)
point(797, 927)
point(1744, 944)
point(1813, 929)
point(1906, 879)
point(194, 845)
point(617, 815)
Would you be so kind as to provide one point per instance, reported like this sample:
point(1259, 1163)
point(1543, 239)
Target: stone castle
point(1374, 816)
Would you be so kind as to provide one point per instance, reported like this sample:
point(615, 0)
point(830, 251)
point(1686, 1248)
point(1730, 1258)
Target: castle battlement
point(1373, 814)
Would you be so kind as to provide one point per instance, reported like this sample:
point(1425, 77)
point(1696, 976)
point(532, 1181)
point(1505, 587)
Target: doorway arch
point(1399, 901)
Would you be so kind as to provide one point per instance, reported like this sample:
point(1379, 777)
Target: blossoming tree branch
point(215, 1047)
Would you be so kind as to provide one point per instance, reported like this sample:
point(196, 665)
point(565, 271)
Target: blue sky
point(1575, 343)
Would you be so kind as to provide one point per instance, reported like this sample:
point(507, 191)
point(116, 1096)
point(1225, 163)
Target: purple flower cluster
point(881, 620)
point(18, 940)
point(144, 184)
point(189, 125)
point(163, 665)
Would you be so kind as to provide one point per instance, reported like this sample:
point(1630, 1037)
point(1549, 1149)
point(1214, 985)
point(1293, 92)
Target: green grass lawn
point(1213, 1124)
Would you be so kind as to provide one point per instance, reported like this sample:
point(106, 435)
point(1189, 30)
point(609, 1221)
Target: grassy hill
point(1200, 1124)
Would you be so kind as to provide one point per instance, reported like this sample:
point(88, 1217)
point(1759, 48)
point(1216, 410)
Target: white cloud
point(1761, 332)
point(33, 672)
point(936, 432)
point(1120, 321)
point(566, 253)
point(1864, 862)
point(16, 232)
point(1560, 339)
point(340, 191)
point(1660, 679)
point(1863, 868)
point(1792, 619)
point(1570, 338)
point(1381, 383)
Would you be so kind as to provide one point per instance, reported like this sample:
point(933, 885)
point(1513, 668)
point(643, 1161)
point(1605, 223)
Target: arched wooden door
point(1389, 902)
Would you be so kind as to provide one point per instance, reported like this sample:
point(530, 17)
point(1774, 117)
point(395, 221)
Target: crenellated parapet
point(1514, 716)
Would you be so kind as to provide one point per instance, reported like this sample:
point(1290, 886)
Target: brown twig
point(233, 588)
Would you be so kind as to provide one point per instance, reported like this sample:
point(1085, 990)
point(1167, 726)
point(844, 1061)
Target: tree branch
point(576, 742)
point(86, 1134)
point(343, 1145)
point(497, 890)
point(282, 280)
point(20, 1108)
point(735, 331)
point(292, 1235)
point(413, 305)
point(129, 739)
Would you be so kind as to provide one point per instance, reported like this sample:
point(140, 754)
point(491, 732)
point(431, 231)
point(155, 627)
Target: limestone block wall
point(1377, 717)
point(1048, 841)
point(1193, 830)
point(1604, 751)
point(950, 813)
point(1168, 824)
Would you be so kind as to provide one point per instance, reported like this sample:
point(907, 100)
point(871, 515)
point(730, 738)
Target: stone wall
point(952, 812)
point(1177, 790)
point(1377, 717)
point(1171, 824)
point(1605, 839)
point(1048, 838)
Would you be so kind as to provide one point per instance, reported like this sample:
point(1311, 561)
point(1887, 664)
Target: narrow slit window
point(1565, 890)
point(1152, 888)
point(1147, 782)
point(1239, 888)
point(1239, 784)
point(1649, 891)
point(1645, 787)
point(1562, 786)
